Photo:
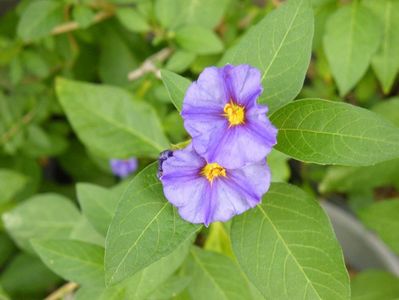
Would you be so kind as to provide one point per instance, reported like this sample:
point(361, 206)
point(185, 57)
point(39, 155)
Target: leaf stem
point(73, 25)
point(148, 66)
point(62, 291)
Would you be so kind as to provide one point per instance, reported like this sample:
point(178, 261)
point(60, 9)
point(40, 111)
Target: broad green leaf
point(198, 40)
point(85, 232)
point(3, 295)
point(132, 19)
point(326, 132)
point(39, 18)
point(206, 13)
point(11, 183)
point(143, 283)
point(98, 205)
point(176, 86)
point(107, 119)
point(26, 276)
point(386, 61)
point(145, 228)
point(180, 61)
point(169, 289)
point(43, 216)
point(279, 46)
point(388, 109)
point(345, 179)
point(353, 35)
point(73, 260)
point(288, 249)
point(167, 12)
point(215, 276)
point(382, 217)
point(375, 285)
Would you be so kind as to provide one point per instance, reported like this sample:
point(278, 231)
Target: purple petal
point(244, 83)
point(123, 167)
point(208, 94)
point(199, 201)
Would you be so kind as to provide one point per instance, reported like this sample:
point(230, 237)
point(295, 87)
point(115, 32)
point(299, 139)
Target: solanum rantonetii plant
point(163, 118)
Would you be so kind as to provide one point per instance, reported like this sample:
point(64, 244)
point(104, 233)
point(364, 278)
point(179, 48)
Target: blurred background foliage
point(125, 43)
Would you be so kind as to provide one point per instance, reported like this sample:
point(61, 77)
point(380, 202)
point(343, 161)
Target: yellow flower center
point(213, 170)
point(234, 113)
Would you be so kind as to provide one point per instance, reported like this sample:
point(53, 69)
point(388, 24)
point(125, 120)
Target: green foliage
point(353, 35)
point(372, 285)
point(98, 123)
point(325, 132)
point(39, 18)
point(73, 260)
point(279, 46)
point(382, 217)
point(69, 103)
point(43, 216)
point(135, 238)
point(281, 243)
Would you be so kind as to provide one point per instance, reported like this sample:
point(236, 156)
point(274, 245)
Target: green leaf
point(25, 276)
point(388, 109)
point(169, 289)
point(11, 183)
point(288, 249)
point(382, 217)
point(83, 15)
point(205, 13)
point(73, 260)
point(3, 295)
point(373, 285)
point(7, 248)
point(43, 216)
point(107, 119)
point(98, 205)
point(143, 283)
point(215, 276)
point(218, 240)
point(39, 18)
point(132, 19)
point(326, 132)
point(279, 46)
point(345, 179)
point(167, 12)
point(353, 35)
point(278, 164)
point(198, 40)
point(145, 228)
point(176, 86)
point(85, 232)
point(180, 61)
point(386, 61)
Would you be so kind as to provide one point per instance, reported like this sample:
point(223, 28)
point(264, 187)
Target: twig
point(149, 65)
point(63, 291)
point(71, 26)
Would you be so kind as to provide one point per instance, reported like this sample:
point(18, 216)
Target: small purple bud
point(123, 167)
point(163, 156)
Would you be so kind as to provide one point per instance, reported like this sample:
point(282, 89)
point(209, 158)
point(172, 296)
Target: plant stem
point(63, 291)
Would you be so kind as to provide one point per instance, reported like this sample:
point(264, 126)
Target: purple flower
point(208, 192)
point(123, 167)
point(221, 114)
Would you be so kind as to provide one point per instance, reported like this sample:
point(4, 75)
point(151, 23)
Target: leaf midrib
point(282, 41)
point(288, 250)
point(129, 130)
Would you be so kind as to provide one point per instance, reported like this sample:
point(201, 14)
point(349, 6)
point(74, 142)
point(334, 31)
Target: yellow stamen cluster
point(234, 113)
point(213, 170)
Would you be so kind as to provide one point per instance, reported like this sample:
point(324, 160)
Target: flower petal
point(208, 94)
point(241, 190)
point(244, 83)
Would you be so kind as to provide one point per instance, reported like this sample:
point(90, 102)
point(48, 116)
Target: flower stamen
point(234, 113)
point(212, 171)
